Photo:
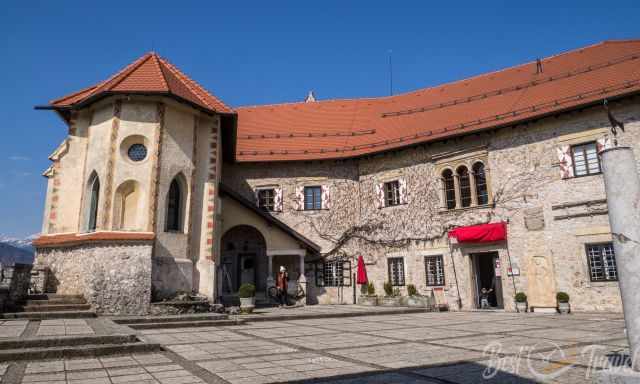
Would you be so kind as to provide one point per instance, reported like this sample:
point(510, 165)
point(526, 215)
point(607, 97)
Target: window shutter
point(380, 195)
point(326, 197)
point(346, 273)
point(402, 185)
point(299, 198)
point(566, 161)
point(277, 200)
point(603, 143)
point(319, 274)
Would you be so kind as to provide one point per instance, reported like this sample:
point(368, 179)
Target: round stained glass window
point(137, 152)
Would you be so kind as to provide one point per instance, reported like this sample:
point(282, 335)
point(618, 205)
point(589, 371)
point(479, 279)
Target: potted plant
point(392, 296)
point(415, 299)
point(521, 302)
point(563, 302)
point(368, 295)
point(247, 294)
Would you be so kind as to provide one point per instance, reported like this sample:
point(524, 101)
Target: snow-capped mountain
point(14, 250)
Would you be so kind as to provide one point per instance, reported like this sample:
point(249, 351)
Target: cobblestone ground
point(463, 347)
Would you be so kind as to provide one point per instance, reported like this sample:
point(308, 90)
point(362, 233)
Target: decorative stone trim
point(115, 126)
point(192, 184)
point(157, 157)
point(74, 239)
point(83, 197)
point(53, 214)
point(211, 191)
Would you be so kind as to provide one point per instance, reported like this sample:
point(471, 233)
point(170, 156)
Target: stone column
point(270, 280)
point(302, 279)
point(622, 185)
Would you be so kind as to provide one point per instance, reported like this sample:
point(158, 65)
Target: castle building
point(488, 182)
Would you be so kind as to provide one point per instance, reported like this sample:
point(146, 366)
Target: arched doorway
point(243, 259)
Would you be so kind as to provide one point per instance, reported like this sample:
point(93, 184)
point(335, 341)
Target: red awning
point(362, 271)
point(483, 233)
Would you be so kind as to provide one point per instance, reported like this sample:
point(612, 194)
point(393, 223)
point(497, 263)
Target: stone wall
point(545, 243)
point(113, 278)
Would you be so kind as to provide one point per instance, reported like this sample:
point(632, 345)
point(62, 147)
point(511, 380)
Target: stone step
point(90, 350)
point(56, 307)
point(68, 341)
point(169, 318)
point(186, 324)
point(53, 296)
point(57, 300)
point(49, 315)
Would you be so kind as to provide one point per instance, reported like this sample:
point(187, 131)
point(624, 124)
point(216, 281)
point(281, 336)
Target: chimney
point(538, 66)
point(311, 98)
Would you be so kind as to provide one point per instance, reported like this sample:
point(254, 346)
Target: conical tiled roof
point(150, 74)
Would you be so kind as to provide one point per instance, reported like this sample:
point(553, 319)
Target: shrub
point(388, 288)
point(411, 290)
point(562, 297)
point(247, 290)
point(371, 289)
point(521, 297)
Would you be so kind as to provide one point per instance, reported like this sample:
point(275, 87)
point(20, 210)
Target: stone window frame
point(454, 166)
point(342, 264)
point(260, 190)
point(584, 153)
point(438, 283)
point(601, 246)
point(392, 197)
point(390, 260)
point(313, 203)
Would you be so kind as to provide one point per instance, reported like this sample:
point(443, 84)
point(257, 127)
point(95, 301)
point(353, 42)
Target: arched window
point(126, 206)
point(94, 190)
point(465, 186)
point(449, 189)
point(480, 179)
point(175, 205)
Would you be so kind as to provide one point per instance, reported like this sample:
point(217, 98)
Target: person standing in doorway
point(281, 284)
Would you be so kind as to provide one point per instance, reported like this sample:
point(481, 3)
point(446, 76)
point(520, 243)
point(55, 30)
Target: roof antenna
point(538, 66)
point(390, 74)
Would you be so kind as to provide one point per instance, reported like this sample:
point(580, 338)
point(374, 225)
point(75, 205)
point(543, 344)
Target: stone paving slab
point(12, 328)
point(226, 350)
point(407, 355)
point(199, 336)
point(574, 335)
point(138, 368)
point(281, 368)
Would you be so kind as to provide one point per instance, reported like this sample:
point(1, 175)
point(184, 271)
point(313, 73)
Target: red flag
point(362, 271)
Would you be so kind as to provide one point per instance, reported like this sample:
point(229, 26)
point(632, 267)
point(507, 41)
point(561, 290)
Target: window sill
point(484, 206)
point(394, 206)
point(583, 176)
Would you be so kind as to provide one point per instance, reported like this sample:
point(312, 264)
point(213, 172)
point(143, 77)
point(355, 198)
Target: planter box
point(393, 301)
point(368, 300)
point(247, 304)
point(419, 301)
point(564, 308)
point(521, 306)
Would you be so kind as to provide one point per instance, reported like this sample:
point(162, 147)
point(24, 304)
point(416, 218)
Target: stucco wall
point(524, 179)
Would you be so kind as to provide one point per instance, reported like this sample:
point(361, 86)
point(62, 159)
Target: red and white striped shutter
point(566, 161)
point(326, 197)
point(277, 200)
point(402, 184)
point(380, 195)
point(299, 198)
point(603, 143)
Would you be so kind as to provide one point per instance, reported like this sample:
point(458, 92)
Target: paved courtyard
point(454, 347)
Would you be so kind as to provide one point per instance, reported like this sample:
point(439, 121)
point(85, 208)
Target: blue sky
point(261, 52)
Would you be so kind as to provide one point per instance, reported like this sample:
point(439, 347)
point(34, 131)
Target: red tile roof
point(348, 128)
point(150, 74)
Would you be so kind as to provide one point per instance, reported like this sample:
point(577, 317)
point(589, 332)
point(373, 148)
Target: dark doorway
point(486, 274)
point(243, 259)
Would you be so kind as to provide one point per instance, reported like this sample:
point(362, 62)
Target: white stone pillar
point(302, 280)
point(270, 280)
point(622, 185)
